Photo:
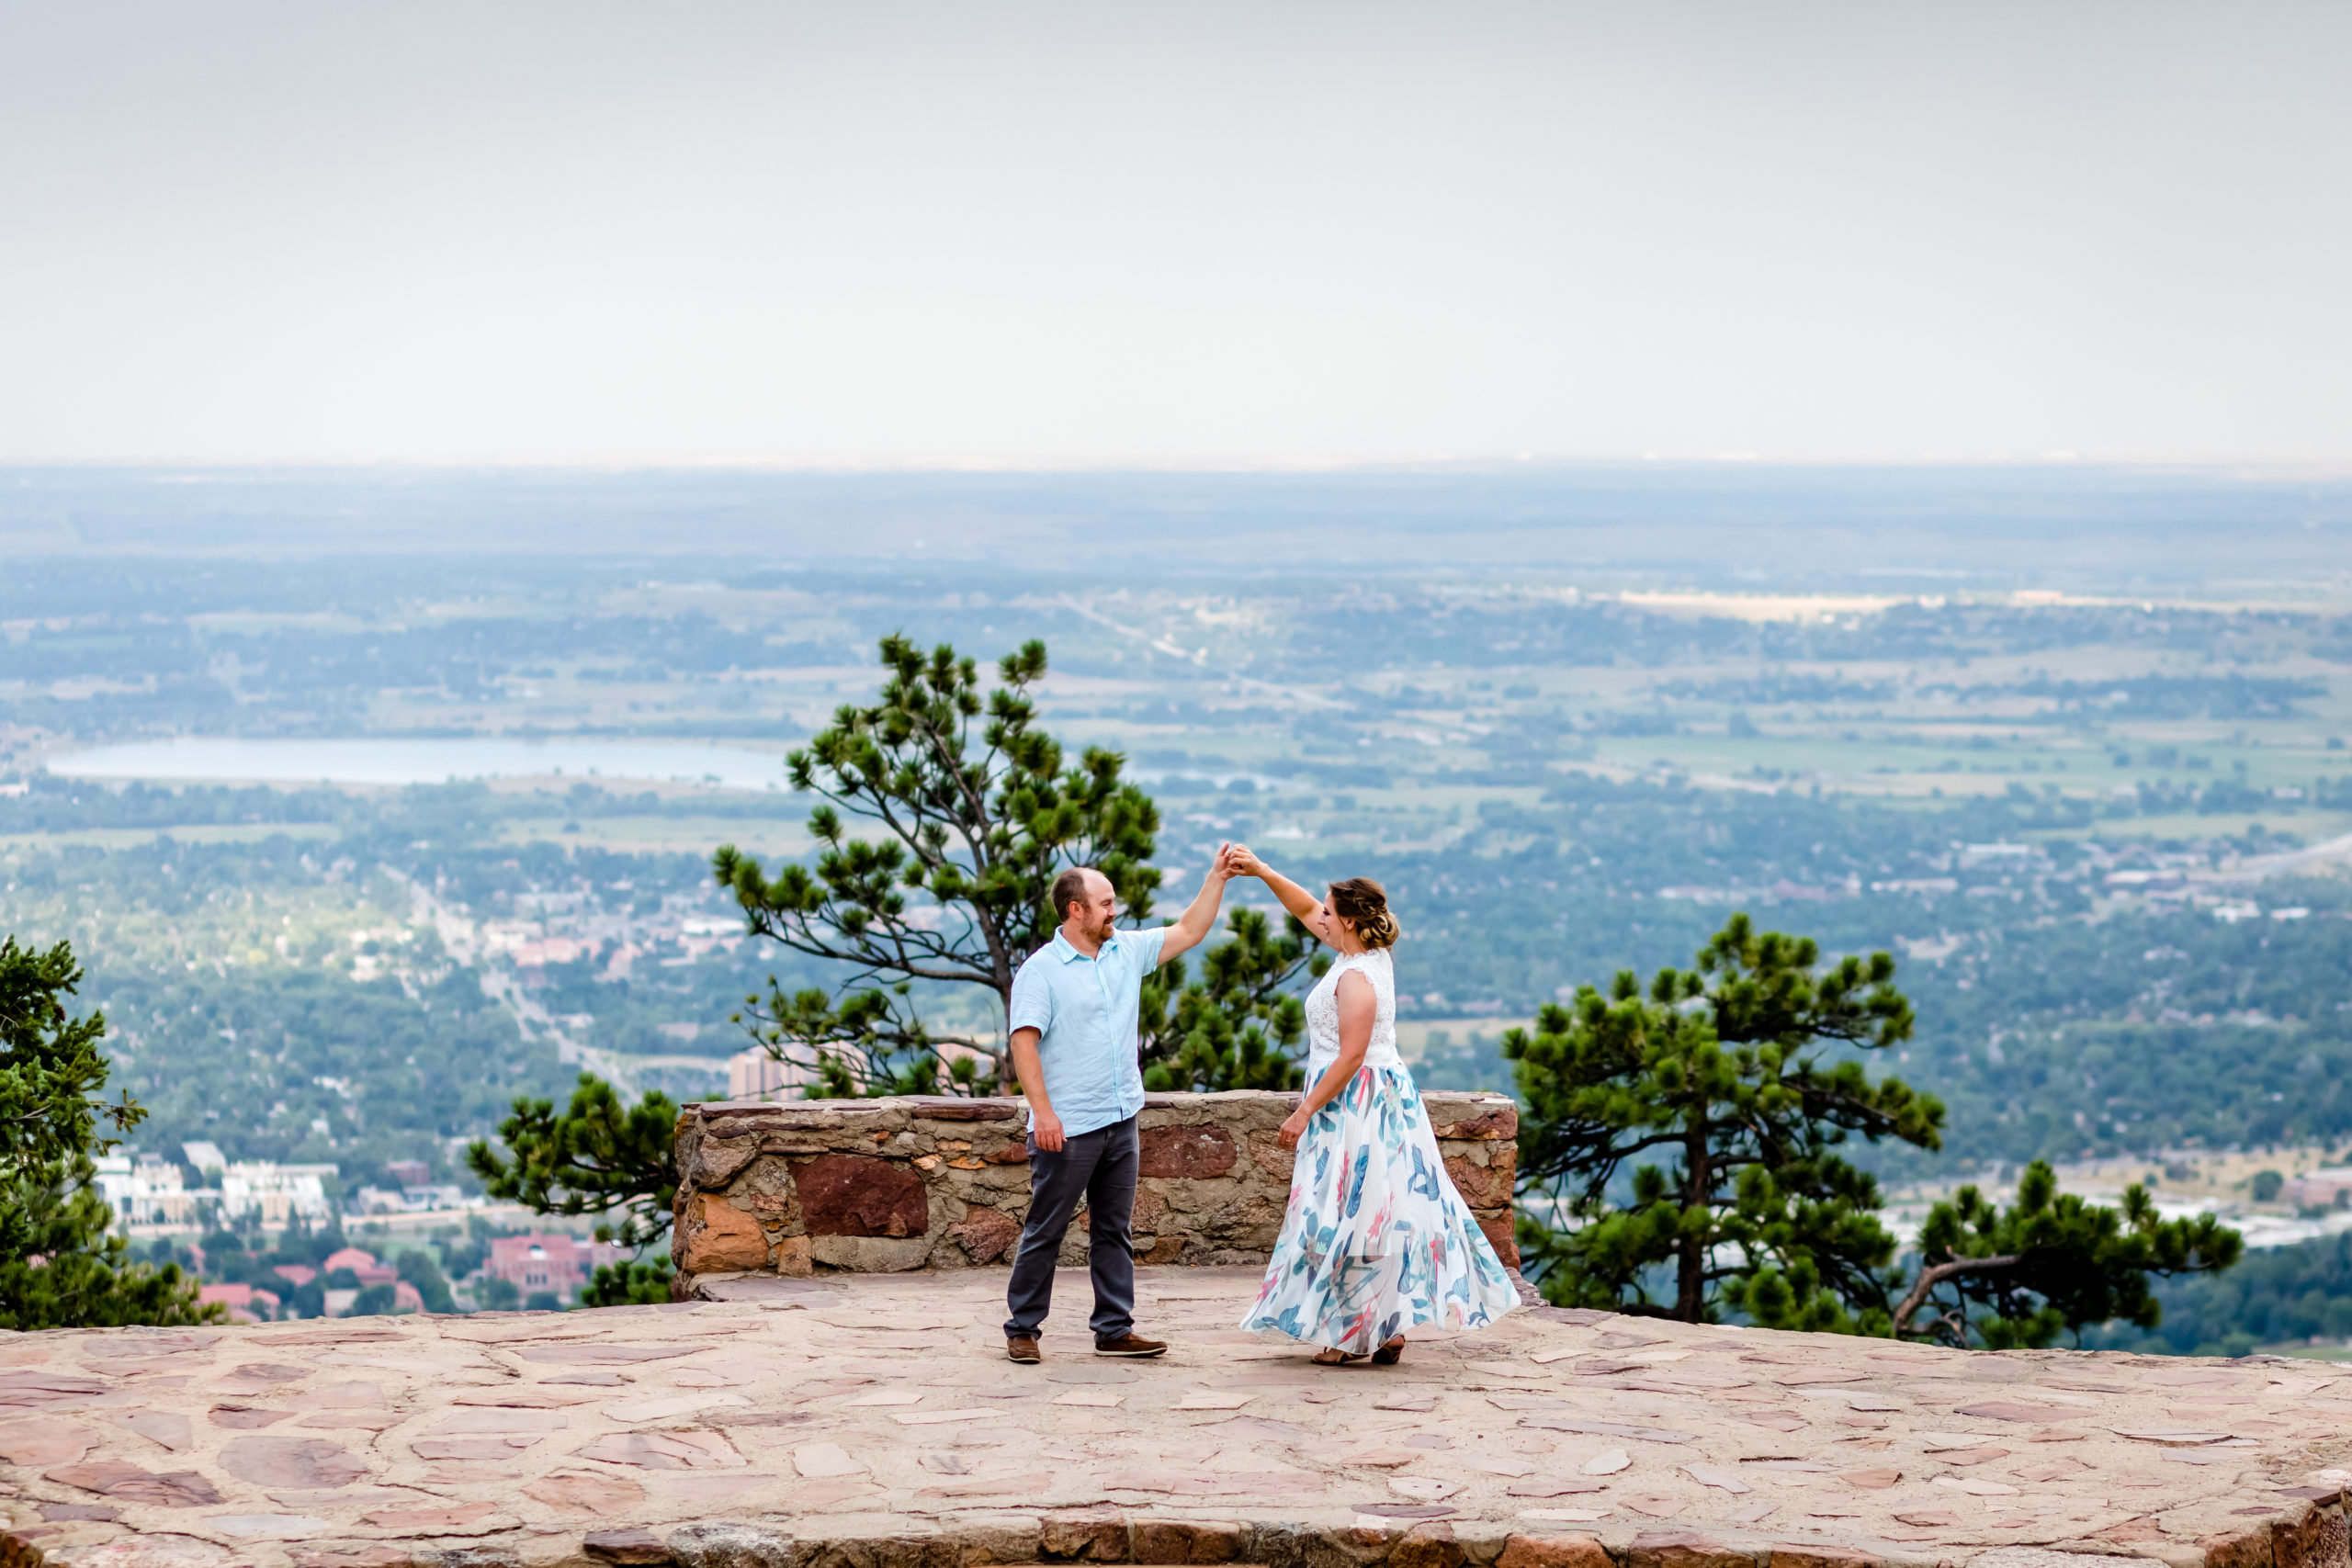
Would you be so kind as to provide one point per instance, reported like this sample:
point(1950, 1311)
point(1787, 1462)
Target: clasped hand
point(1295, 1128)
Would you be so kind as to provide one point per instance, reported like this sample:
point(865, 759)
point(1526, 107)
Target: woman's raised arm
point(1294, 898)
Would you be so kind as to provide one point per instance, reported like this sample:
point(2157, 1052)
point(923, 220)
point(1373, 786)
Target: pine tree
point(976, 811)
point(2050, 1264)
point(1239, 1025)
point(1692, 1136)
point(598, 1157)
point(60, 1267)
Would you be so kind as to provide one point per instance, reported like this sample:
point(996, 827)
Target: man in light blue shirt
point(1073, 1021)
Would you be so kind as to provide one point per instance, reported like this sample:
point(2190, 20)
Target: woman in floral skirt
point(1375, 1240)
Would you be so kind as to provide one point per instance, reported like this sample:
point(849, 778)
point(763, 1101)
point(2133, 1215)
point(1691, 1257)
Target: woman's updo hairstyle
point(1363, 904)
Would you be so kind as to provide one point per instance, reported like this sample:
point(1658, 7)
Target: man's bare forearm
point(1030, 1069)
point(1200, 916)
point(1044, 1125)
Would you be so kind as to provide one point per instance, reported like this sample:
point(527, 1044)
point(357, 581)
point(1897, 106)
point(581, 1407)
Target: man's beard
point(1103, 933)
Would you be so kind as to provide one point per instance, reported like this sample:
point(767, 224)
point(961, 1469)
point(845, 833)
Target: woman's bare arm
point(1294, 898)
point(1357, 1006)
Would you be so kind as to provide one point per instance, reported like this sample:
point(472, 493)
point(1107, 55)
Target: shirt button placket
point(1110, 1038)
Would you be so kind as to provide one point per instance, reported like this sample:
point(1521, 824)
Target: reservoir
point(392, 760)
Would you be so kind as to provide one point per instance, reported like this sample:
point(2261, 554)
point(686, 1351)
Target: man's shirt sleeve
point(1147, 946)
point(1032, 1000)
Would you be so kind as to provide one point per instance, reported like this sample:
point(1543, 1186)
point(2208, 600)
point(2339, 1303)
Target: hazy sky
point(1189, 234)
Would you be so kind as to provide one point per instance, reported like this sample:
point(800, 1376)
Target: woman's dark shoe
point(1388, 1354)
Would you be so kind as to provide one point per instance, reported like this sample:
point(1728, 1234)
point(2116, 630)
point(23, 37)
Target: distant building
point(404, 1299)
point(245, 1303)
point(2322, 1189)
point(363, 1266)
point(408, 1173)
point(408, 1199)
point(755, 1074)
point(151, 1191)
point(557, 1263)
point(367, 1270)
point(275, 1194)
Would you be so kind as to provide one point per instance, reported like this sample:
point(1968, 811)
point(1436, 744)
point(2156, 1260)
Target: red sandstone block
point(1552, 1551)
point(1094, 1538)
point(958, 1108)
point(985, 1235)
point(1681, 1549)
point(1481, 1186)
point(1188, 1152)
point(631, 1547)
point(1186, 1540)
point(2316, 1540)
point(2249, 1550)
point(717, 1238)
point(1822, 1557)
point(1428, 1545)
point(1501, 1122)
point(861, 1195)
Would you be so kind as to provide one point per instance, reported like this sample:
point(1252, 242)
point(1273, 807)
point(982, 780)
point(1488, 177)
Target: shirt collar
point(1069, 954)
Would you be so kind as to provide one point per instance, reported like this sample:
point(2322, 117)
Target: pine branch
point(1931, 1277)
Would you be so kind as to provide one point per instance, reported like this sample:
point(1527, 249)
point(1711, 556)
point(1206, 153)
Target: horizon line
point(2280, 469)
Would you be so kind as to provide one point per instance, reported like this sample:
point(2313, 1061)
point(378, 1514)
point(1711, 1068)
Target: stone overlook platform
point(872, 1421)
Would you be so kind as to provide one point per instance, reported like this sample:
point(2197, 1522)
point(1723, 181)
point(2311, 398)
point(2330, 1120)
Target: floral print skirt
point(1376, 1240)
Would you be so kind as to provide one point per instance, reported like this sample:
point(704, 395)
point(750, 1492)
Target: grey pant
point(1100, 1166)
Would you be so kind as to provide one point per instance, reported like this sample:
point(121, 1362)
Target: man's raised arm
point(1200, 919)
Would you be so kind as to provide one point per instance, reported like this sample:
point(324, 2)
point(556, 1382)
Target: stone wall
point(935, 1182)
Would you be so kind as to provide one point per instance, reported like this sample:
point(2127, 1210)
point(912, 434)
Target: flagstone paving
point(872, 1420)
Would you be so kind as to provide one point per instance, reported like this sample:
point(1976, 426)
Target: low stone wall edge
point(891, 1185)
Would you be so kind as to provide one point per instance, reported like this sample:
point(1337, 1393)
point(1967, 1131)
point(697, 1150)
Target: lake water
point(397, 760)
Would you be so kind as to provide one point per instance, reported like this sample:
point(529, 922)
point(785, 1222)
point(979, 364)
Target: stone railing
point(888, 1185)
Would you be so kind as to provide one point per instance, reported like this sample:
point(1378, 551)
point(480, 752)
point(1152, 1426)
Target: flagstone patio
point(871, 1421)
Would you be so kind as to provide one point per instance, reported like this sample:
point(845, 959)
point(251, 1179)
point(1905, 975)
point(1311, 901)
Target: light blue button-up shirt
point(1084, 1012)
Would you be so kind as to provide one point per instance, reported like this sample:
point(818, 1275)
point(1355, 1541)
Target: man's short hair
point(1069, 888)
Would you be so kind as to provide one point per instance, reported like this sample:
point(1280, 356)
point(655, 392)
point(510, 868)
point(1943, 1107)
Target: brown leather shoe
point(1130, 1344)
point(1023, 1349)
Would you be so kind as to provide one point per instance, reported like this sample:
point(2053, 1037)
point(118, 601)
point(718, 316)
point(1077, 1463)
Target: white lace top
point(1323, 1013)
